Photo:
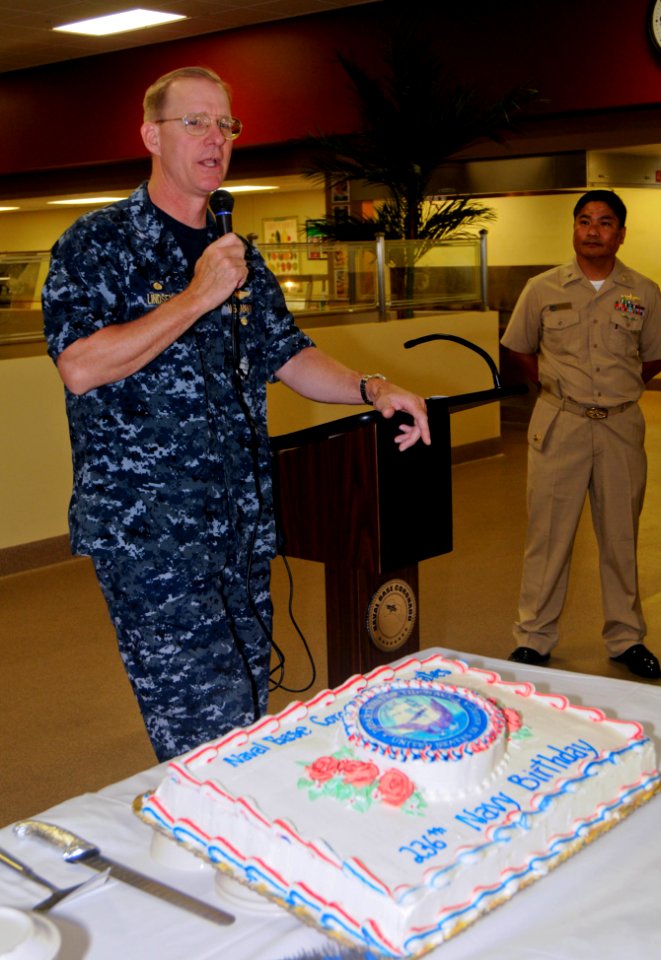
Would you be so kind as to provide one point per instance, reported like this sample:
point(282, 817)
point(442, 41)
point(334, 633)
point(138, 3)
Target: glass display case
point(21, 278)
point(320, 281)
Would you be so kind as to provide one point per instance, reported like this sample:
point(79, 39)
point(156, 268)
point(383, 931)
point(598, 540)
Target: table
point(603, 903)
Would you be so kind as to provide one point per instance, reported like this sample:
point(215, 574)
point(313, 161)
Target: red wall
point(286, 81)
point(580, 54)
point(90, 110)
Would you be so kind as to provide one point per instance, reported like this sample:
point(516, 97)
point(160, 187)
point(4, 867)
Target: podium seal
point(391, 615)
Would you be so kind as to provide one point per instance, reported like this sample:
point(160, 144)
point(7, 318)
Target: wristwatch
point(363, 383)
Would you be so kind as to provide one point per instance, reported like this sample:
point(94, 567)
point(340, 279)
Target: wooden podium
point(346, 496)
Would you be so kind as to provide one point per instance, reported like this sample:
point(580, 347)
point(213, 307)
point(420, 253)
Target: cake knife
point(76, 850)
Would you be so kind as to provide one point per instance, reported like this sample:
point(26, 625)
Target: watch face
point(654, 22)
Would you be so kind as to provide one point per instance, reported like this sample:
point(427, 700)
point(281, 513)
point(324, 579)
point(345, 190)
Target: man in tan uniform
point(589, 333)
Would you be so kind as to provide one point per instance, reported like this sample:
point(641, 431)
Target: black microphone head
point(221, 201)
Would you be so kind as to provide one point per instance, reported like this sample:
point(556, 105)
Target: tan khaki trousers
point(570, 456)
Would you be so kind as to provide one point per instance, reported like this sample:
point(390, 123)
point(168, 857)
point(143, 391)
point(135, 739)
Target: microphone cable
point(279, 684)
point(221, 204)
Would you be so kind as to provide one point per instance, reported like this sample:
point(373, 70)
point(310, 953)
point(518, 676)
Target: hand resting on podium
point(318, 376)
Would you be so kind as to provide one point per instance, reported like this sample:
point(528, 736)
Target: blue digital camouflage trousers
point(196, 648)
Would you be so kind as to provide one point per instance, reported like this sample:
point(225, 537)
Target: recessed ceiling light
point(6, 209)
point(136, 19)
point(82, 201)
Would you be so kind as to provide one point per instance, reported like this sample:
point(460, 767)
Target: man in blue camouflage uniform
point(172, 493)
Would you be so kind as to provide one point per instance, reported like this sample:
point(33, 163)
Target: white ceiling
point(28, 40)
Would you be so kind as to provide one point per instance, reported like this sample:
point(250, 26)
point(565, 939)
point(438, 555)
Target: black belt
point(594, 413)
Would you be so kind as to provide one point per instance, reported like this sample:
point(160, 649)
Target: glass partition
point(423, 274)
point(21, 278)
point(324, 278)
point(317, 279)
point(362, 277)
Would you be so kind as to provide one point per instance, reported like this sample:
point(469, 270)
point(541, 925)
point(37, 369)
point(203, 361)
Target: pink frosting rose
point(513, 719)
point(358, 773)
point(395, 788)
point(323, 769)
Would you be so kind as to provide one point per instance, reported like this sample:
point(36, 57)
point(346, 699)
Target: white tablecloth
point(603, 903)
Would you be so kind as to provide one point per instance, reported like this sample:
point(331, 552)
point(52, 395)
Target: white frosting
point(289, 807)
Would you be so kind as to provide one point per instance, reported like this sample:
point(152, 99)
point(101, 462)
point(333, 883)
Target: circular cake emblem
point(391, 615)
point(422, 719)
point(449, 740)
point(410, 719)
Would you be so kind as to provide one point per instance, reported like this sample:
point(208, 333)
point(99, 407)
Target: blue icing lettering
point(426, 846)
point(436, 674)
point(486, 813)
point(545, 767)
point(236, 759)
point(527, 783)
point(289, 737)
point(575, 751)
point(326, 721)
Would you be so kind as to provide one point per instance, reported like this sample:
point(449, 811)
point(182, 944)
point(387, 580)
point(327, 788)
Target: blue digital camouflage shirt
point(167, 465)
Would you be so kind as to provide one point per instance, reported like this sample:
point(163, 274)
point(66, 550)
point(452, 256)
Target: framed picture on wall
point(280, 230)
point(340, 192)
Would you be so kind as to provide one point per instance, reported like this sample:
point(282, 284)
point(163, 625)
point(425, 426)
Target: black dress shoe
point(530, 656)
point(640, 661)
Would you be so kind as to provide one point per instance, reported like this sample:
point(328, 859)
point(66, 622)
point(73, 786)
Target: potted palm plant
point(413, 116)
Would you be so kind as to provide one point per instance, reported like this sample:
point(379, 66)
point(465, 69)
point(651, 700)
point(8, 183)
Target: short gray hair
point(156, 94)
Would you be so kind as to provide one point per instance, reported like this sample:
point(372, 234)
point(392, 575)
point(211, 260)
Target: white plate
point(169, 853)
point(239, 896)
point(27, 936)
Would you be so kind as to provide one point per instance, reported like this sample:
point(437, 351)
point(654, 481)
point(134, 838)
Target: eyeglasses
point(198, 124)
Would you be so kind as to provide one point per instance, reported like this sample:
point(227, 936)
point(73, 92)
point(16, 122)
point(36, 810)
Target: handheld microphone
point(221, 203)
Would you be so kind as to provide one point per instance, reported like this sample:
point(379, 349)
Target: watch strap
point(363, 384)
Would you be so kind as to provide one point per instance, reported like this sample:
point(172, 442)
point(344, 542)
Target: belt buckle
point(596, 413)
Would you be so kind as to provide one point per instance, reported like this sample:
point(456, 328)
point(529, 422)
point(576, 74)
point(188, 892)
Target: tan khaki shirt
point(591, 344)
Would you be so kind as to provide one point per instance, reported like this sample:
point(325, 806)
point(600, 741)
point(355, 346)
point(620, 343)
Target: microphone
point(221, 203)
